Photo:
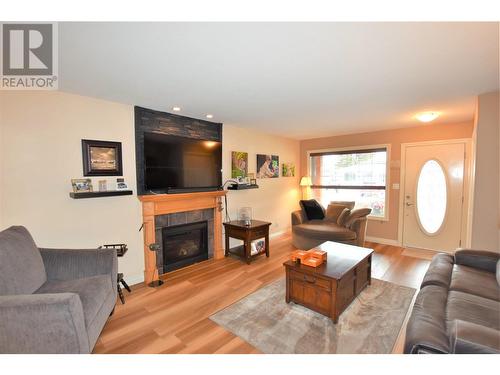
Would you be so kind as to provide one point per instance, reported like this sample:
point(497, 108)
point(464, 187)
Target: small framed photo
point(81, 185)
point(121, 184)
point(253, 181)
point(101, 158)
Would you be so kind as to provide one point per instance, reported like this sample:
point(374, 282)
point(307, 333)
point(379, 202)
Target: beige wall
point(41, 151)
point(486, 213)
point(377, 228)
point(276, 198)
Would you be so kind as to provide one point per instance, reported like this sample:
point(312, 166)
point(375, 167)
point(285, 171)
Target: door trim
point(467, 142)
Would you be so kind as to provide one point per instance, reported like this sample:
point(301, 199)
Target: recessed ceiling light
point(176, 109)
point(427, 116)
point(210, 116)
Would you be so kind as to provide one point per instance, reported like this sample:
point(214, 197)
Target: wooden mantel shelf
point(162, 204)
point(176, 197)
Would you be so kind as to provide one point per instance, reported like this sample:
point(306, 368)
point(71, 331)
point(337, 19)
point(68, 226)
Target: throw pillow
point(356, 214)
point(333, 211)
point(498, 272)
point(343, 216)
point(312, 209)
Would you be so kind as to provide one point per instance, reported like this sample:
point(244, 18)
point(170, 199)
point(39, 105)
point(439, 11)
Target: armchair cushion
point(333, 211)
point(325, 231)
point(21, 267)
point(341, 220)
point(93, 292)
point(312, 209)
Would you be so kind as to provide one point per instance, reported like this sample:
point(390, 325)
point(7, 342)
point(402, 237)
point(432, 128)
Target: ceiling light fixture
point(176, 109)
point(210, 116)
point(427, 116)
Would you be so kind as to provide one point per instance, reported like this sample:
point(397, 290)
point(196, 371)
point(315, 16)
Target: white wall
point(41, 152)
point(485, 215)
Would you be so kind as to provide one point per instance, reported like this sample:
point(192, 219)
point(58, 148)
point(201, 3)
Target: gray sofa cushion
point(21, 265)
point(322, 230)
point(475, 281)
point(474, 309)
point(93, 292)
point(498, 272)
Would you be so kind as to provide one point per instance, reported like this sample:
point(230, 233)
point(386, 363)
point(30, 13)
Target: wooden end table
point(237, 229)
point(332, 286)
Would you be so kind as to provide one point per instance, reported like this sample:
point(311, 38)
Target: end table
point(239, 230)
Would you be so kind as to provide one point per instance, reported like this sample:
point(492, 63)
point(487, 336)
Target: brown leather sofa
point(340, 224)
point(458, 307)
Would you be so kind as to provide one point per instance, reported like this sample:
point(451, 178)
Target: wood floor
point(175, 317)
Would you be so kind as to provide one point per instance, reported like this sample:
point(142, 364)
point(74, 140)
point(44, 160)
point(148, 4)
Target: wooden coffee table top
point(341, 259)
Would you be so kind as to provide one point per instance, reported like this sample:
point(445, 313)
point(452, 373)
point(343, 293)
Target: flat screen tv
point(175, 164)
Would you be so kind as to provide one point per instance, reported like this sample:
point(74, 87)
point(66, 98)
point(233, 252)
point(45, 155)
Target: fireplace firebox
point(184, 245)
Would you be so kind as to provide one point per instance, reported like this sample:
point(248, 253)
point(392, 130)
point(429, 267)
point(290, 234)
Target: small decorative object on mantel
point(245, 215)
point(120, 184)
point(101, 158)
point(81, 185)
point(103, 185)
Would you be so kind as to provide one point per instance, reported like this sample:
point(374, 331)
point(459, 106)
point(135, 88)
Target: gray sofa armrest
point(65, 264)
point(469, 338)
point(298, 217)
point(481, 259)
point(42, 323)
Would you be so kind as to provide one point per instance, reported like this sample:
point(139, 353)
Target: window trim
point(353, 149)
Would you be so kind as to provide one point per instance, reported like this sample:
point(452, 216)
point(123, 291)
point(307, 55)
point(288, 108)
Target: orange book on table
point(318, 254)
point(312, 262)
point(300, 254)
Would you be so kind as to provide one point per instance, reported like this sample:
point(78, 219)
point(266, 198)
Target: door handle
point(408, 204)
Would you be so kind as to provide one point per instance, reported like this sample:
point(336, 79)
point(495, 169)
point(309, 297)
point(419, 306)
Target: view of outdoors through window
point(358, 176)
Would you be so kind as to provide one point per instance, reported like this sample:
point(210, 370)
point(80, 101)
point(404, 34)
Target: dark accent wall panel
point(151, 121)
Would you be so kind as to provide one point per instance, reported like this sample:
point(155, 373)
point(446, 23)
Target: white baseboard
point(276, 234)
point(383, 241)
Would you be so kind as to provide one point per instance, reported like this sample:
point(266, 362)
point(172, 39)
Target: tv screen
point(173, 162)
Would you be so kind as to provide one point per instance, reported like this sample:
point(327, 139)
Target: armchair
point(53, 300)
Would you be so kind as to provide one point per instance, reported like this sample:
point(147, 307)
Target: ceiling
point(300, 80)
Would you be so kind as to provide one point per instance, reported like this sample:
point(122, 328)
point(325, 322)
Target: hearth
point(184, 245)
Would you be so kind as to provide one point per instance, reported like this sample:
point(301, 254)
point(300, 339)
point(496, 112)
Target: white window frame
point(387, 146)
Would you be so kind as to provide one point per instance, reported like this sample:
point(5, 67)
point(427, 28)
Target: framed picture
point(101, 158)
point(288, 170)
point(253, 181)
point(268, 166)
point(239, 164)
point(81, 185)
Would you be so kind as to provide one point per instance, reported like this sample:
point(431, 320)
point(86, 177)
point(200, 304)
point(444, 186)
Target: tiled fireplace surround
point(172, 209)
point(178, 218)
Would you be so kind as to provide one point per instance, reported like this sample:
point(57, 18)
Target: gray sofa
point(458, 307)
point(341, 224)
point(53, 301)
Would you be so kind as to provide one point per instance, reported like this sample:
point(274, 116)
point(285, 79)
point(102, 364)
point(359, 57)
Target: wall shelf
point(242, 187)
point(98, 194)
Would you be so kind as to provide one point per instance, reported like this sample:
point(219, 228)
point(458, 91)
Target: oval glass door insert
point(431, 196)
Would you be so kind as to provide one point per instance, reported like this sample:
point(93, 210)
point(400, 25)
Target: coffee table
point(331, 287)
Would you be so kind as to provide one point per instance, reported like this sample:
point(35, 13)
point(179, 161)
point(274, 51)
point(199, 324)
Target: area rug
point(371, 323)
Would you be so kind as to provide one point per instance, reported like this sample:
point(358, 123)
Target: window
point(352, 175)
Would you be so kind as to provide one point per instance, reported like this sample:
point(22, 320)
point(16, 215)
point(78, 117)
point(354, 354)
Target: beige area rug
point(371, 323)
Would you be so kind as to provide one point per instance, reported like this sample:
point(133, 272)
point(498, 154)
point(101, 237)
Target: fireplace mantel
point(162, 204)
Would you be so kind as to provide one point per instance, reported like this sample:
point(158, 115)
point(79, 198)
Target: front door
point(433, 196)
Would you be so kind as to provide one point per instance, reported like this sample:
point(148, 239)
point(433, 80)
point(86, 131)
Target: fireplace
point(184, 245)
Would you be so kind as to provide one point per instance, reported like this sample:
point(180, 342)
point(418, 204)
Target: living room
point(250, 188)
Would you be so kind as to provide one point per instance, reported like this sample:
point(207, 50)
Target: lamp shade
point(305, 181)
